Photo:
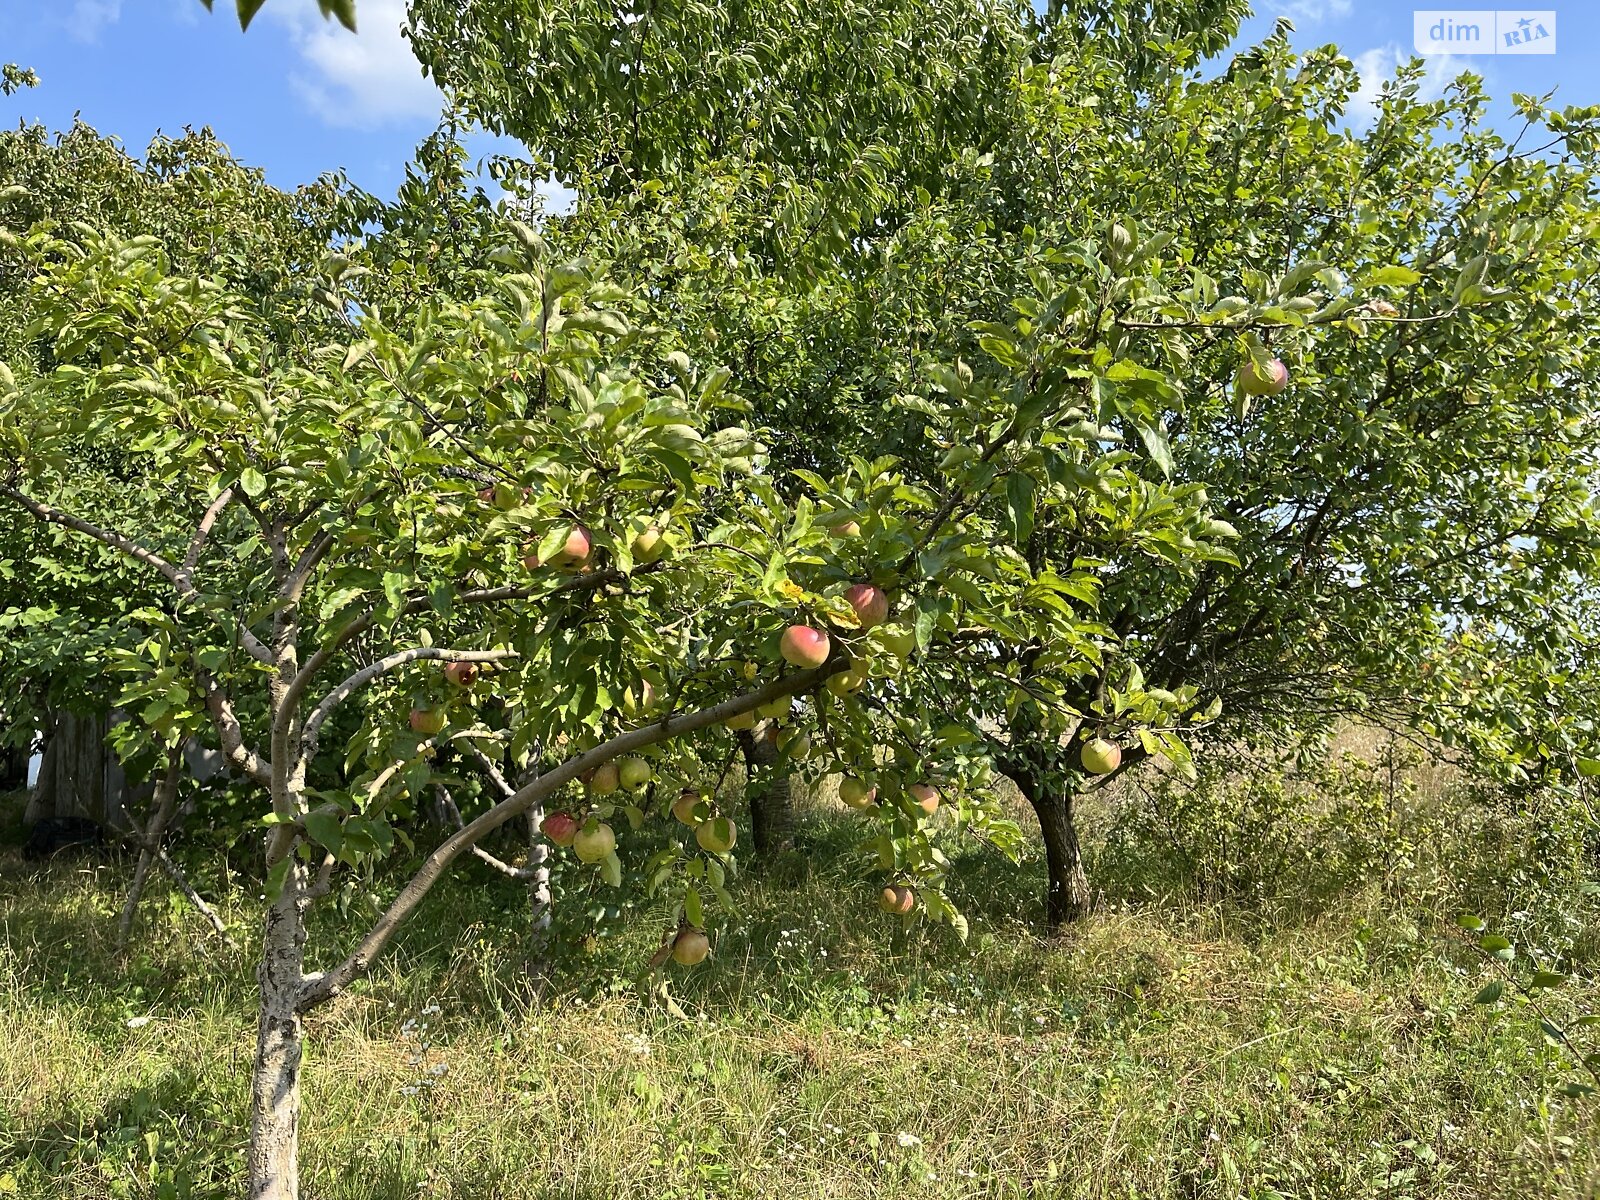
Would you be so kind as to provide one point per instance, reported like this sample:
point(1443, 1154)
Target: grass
point(1171, 1048)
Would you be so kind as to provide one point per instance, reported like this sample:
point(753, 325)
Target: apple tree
point(1351, 317)
point(513, 527)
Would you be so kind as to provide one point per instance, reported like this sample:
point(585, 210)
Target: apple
point(796, 744)
point(897, 899)
point(690, 947)
point(925, 796)
point(486, 494)
point(897, 640)
point(462, 674)
point(857, 793)
point(1383, 308)
point(575, 550)
point(870, 604)
point(1101, 757)
point(633, 773)
point(605, 780)
point(745, 720)
point(530, 560)
point(428, 721)
point(774, 709)
point(687, 807)
point(846, 682)
point(847, 528)
point(716, 835)
point(560, 828)
point(593, 842)
point(803, 646)
point(648, 546)
point(1253, 383)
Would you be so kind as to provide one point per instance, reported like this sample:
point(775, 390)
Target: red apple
point(575, 550)
point(897, 899)
point(870, 604)
point(847, 528)
point(462, 674)
point(560, 828)
point(803, 646)
point(1253, 383)
point(428, 721)
point(925, 796)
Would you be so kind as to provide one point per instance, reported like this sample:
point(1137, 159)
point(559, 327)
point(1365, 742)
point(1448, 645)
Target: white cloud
point(361, 80)
point(88, 17)
point(1377, 67)
point(1309, 12)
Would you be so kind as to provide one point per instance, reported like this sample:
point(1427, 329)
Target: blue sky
point(298, 95)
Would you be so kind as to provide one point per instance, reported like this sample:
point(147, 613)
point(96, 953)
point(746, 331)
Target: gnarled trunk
point(771, 797)
point(275, 1082)
point(1067, 895)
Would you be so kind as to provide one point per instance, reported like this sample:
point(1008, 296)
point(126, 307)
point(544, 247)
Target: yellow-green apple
point(594, 841)
point(716, 835)
point(1101, 757)
point(690, 947)
point(857, 793)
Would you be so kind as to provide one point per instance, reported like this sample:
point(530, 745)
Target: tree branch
point(110, 537)
point(313, 726)
point(231, 734)
point(325, 985)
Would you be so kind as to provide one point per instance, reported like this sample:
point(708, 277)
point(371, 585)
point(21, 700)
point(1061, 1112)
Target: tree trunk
point(275, 1083)
point(164, 803)
point(539, 897)
point(771, 798)
point(1067, 896)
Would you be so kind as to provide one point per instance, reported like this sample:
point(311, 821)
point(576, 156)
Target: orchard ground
point(1244, 1017)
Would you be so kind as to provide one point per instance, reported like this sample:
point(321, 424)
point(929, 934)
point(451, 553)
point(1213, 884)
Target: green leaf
point(1546, 979)
point(276, 877)
point(693, 910)
point(1395, 276)
point(1490, 994)
point(611, 869)
point(252, 481)
point(324, 828)
point(1468, 921)
point(1019, 504)
point(248, 10)
point(1155, 444)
